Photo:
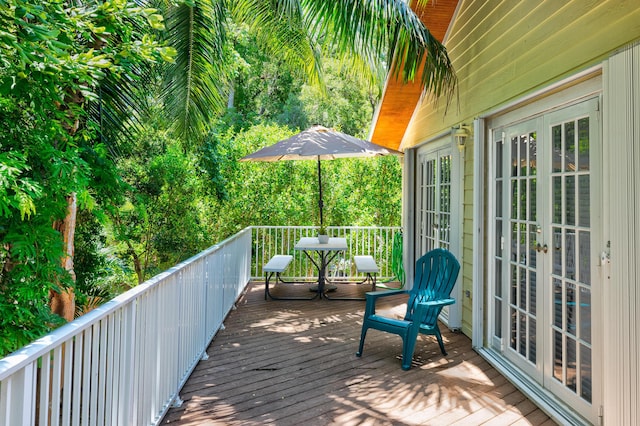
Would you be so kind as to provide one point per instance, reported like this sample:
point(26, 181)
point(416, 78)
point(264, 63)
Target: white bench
point(276, 265)
point(367, 265)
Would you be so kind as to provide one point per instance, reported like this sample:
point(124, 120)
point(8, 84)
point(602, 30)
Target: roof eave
point(399, 100)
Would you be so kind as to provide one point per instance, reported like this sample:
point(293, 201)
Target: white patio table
point(325, 254)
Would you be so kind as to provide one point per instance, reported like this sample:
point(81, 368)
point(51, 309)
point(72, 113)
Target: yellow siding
point(467, 238)
point(504, 50)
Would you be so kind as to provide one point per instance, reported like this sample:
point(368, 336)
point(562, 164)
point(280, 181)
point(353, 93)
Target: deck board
point(293, 362)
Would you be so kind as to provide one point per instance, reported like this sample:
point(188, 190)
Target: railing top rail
point(328, 227)
point(34, 350)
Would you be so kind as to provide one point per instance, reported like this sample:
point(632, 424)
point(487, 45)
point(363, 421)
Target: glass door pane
point(523, 226)
point(435, 204)
point(571, 264)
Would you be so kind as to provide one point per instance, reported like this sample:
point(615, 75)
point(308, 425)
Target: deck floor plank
point(293, 362)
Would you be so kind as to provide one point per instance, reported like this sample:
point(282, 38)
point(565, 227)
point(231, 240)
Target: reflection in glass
point(514, 241)
point(556, 138)
point(499, 238)
point(522, 158)
point(522, 304)
point(514, 198)
point(533, 214)
point(585, 315)
point(445, 169)
point(532, 340)
point(445, 198)
point(557, 303)
point(571, 364)
point(557, 199)
point(514, 157)
point(570, 146)
point(533, 161)
point(499, 198)
point(584, 254)
point(557, 355)
point(514, 284)
point(514, 329)
point(583, 144)
point(498, 278)
point(570, 309)
point(584, 201)
point(498, 318)
point(557, 251)
point(499, 154)
point(523, 334)
point(532, 292)
point(570, 255)
point(585, 373)
point(533, 236)
point(524, 243)
point(523, 200)
point(570, 201)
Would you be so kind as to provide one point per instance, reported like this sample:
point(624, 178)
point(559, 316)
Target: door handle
point(542, 248)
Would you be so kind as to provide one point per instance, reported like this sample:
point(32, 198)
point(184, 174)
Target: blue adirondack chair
point(436, 274)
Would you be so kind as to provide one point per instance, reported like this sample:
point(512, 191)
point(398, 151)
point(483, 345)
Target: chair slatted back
point(436, 274)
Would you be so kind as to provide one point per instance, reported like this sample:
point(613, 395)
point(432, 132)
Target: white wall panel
point(622, 218)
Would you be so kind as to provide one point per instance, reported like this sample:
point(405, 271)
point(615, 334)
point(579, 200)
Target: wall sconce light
point(460, 134)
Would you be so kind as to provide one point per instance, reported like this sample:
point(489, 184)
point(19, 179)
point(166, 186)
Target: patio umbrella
point(319, 143)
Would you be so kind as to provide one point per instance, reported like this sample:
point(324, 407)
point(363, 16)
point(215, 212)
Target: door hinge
point(601, 415)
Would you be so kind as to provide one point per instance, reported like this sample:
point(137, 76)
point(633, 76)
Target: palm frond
point(280, 29)
point(369, 27)
point(196, 83)
point(118, 111)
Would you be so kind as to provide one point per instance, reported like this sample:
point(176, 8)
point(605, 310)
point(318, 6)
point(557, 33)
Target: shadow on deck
point(293, 362)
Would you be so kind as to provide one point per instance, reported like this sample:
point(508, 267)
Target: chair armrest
point(373, 296)
point(436, 303)
point(383, 293)
point(423, 307)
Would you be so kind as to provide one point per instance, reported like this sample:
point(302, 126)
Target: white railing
point(124, 362)
point(361, 240)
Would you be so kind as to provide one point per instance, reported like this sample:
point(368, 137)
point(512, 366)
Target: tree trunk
point(64, 303)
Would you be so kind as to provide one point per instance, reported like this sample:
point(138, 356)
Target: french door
point(544, 214)
point(434, 207)
point(437, 221)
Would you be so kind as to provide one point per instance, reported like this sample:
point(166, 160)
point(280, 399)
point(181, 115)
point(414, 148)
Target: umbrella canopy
point(319, 143)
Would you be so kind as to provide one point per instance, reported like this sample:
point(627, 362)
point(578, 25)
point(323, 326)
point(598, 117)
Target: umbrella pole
point(320, 203)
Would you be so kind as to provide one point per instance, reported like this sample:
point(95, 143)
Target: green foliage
point(347, 104)
point(158, 221)
point(356, 191)
point(195, 83)
point(53, 58)
point(100, 275)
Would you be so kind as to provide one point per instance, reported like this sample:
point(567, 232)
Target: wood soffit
point(399, 99)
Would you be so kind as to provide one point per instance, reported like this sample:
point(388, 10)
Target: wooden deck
point(294, 363)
